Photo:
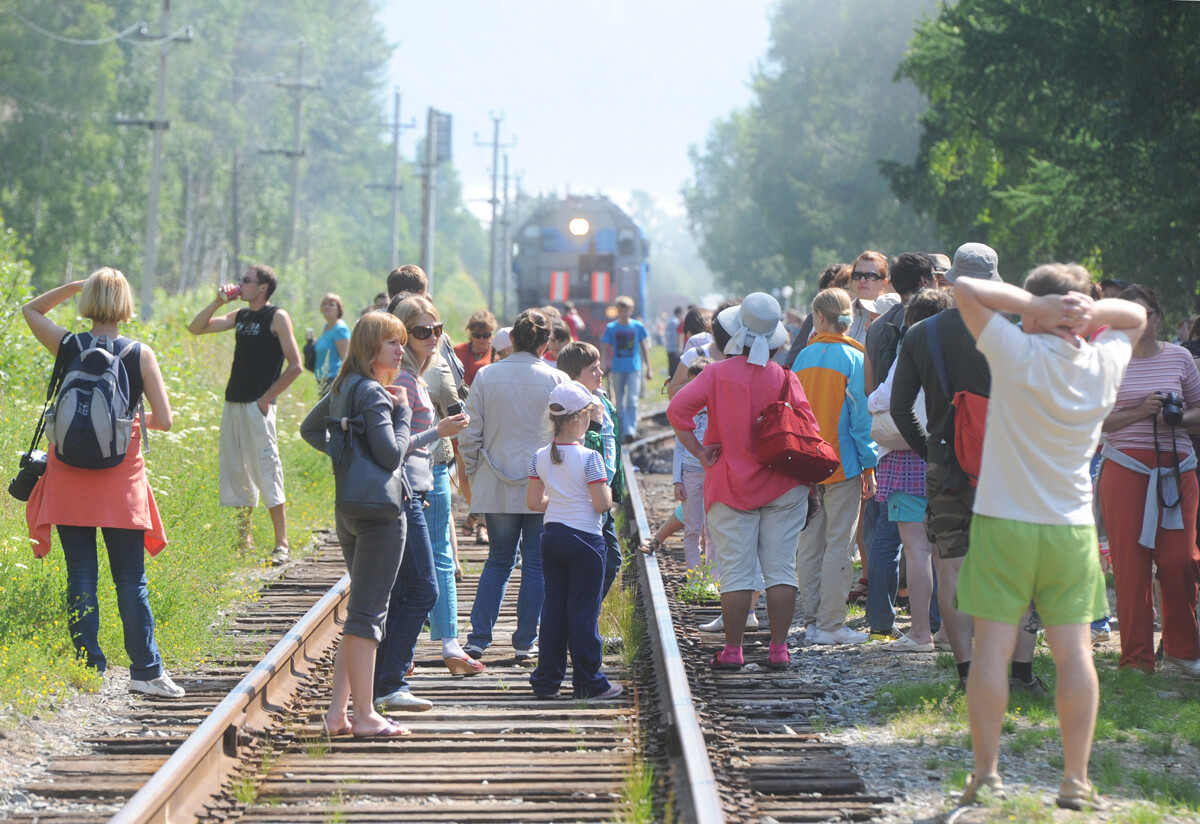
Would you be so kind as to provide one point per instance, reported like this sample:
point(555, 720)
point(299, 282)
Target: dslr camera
point(1172, 408)
point(32, 467)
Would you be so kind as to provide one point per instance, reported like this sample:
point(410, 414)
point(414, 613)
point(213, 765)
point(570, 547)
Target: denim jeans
point(626, 390)
point(504, 532)
point(413, 595)
point(573, 563)
point(613, 559)
point(443, 619)
point(883, 577)
point(126, 561)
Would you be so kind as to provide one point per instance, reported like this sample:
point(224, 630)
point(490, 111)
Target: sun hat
point(974, 260)
point(758, 322)
point(502, 339)
point(572, 397)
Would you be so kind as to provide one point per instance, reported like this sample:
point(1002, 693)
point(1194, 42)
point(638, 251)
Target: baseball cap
point(572, 397)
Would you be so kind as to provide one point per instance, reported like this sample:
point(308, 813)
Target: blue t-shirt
point(329, 361)
point(626, 342)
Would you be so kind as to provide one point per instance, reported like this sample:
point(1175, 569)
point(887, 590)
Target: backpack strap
point(935, 352)
point(56, 378)
point(141, 405)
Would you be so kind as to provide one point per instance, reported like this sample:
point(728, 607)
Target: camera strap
point(56, 378)
point(1178, 477)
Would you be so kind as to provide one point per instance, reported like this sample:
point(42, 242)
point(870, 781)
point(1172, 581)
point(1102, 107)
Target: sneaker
point(474, 650)
point(280, 555)
point(613, 691)
point(961, 686)
point(843, 635)
point(718, 624)
point(752, 622)
point(524, 654)
point(402, 701)
point(906, 644)
point(162, 687)
point(1035, 687)
point(809, 631)
point(1099, 636)
point(887, 635)
point(612, 643)
point(1188, 669)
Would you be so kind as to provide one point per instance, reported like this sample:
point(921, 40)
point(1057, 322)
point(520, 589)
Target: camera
point(1172, 408)
point(454, 409)
point(32, 467)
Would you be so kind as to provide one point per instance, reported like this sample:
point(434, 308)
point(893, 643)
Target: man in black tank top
point(249, 449)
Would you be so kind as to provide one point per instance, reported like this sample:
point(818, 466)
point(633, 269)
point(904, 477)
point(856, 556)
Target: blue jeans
point(626, 390)
point(883, 577)
point(443, 620)
point(504, 532)
point(413, 595)
point(573, 563)
point(126, 561)
point(613, 559)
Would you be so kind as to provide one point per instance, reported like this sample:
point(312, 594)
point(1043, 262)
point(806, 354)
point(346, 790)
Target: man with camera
point(949, 491)
point(249, 448)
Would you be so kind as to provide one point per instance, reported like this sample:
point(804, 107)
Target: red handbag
point(788, 443)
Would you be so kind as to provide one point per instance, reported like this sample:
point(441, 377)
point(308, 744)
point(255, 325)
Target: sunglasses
point(481, 335)
point(866, 276)
point(426, 332)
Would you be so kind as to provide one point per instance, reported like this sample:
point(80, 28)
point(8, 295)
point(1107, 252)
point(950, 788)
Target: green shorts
point(1011, 562)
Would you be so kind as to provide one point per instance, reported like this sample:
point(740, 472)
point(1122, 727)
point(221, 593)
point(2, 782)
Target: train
point(584, 249)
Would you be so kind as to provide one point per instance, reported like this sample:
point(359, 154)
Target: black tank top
point(257, 356)
point(132, 360)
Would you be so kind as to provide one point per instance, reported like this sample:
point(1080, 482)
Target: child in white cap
point(568, 482)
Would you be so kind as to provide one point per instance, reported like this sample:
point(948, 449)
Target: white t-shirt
point(690, 356)
point(567, 485)
point(1048, 401)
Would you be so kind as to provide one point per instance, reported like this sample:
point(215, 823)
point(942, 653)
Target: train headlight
point(578, 226)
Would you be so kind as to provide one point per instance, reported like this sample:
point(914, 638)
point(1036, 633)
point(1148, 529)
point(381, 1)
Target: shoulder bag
point(364, 489)
point(788, 443)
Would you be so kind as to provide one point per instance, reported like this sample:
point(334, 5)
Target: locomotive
point(582, 249)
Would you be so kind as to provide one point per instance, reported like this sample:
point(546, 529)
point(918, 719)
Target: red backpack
point(788, 443)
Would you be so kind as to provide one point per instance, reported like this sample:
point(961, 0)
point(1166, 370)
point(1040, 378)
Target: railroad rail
point(739, 746)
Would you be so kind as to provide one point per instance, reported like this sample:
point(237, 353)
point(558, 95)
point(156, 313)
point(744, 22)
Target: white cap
point(502, 339)
point(572, 397)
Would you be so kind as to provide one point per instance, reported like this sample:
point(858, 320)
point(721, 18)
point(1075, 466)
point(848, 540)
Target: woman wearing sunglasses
point(422, 575)
point(476, 352)
point(868, 280)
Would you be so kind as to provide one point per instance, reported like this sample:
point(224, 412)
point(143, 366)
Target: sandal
point(464, 665)
point(650, 546)
point(1078, 796)
point(721, 661)
point(341, 731)
point(858, 591)
point(481, 535)
point(468, 527)
point(993, 782)
point(390, 731)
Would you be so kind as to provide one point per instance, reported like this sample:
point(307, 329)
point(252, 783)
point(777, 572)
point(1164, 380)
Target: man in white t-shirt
point(1033, 534)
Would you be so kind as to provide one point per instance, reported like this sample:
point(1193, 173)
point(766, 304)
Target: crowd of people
point(967, 449)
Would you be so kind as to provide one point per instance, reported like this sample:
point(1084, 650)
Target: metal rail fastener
point(677, 707)
point(199, 768)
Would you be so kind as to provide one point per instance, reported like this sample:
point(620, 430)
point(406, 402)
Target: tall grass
point(196, 580)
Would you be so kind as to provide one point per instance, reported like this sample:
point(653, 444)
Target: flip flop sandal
point(464, 665)
point(338, 733)
point(390, 731)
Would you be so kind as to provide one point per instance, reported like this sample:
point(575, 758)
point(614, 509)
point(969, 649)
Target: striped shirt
point(570, 501)
point(417, 464)
point(1171, 370)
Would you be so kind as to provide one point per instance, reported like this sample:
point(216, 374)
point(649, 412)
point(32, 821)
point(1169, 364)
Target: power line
point(139, 27)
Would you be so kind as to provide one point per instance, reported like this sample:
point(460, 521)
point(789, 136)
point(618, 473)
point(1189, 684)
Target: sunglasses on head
point(481, 335)
point(426, 332)
point(866, 276)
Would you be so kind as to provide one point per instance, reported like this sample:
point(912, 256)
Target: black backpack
point(893, 333)
point(90, 423)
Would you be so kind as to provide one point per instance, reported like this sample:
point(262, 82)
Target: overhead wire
point(136, 27)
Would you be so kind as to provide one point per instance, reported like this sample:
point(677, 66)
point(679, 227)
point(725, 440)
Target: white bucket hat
point(758, 322)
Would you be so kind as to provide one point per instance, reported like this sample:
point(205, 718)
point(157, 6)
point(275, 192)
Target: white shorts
point(249, 456)
point(766, 537)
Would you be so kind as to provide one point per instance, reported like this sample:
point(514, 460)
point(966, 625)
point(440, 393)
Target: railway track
point(734, 747)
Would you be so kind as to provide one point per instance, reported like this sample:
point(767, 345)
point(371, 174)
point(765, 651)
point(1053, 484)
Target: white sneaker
point(402, 701)
point(162, 686)
point(843, 635)
point(906, 644)
point(1188, 669)
point(525, 654)
point(718, 624)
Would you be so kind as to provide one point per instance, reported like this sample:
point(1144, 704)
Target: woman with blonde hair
point(117, 500)
point(832, 373)
point(371, 547)
point(331, 347)
point(426, 580)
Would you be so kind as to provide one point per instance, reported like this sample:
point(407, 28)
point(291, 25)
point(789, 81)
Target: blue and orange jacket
point(830, 369)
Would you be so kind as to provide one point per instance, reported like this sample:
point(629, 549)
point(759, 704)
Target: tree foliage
point(793, 182)
point(1063, 131)
point(74, 186)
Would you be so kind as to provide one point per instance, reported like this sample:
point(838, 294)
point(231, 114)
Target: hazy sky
point(601, 95)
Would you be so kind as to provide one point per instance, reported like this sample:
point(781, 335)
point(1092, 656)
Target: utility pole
point(506, 247)
point(296, 152)
point(437, 150)
point(157, 126)
point(492, 257)
point(395, 186)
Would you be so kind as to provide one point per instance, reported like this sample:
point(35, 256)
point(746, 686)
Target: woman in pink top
point(754, 513)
